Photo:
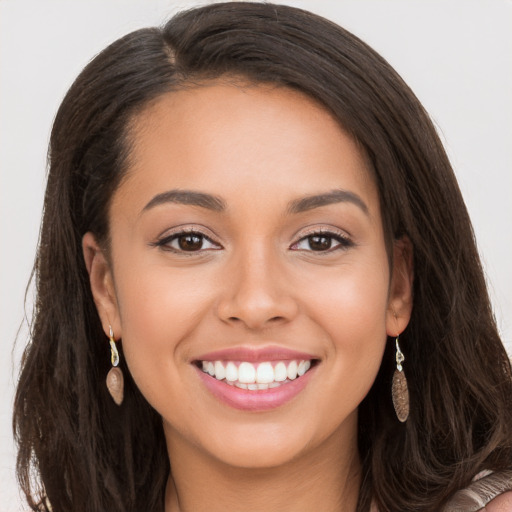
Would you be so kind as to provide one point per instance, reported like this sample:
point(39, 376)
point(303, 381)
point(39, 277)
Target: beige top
point(485, 487)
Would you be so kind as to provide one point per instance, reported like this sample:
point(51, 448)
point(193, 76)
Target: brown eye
point(187, 242)
point(190, 242)
point(319, 242)
point(322, 242)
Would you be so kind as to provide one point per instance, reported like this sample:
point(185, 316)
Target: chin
point(260, 455)
point(271, 445)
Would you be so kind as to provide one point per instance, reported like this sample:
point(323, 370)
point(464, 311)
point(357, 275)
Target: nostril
point(255, 302)
point(253, 323)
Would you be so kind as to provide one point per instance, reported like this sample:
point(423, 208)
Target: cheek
point(351, 309)
point(352, 299)
point(159, 308)
point(154, 297)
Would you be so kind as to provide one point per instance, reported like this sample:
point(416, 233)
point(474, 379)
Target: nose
point(257, 292)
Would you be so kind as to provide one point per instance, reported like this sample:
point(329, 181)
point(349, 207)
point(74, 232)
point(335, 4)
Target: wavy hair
point(78, 450)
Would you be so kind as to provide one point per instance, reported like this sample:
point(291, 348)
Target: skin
point(258, 282)
point(502, 503)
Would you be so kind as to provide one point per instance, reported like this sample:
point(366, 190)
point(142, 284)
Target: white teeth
point(292, 370)
point(256, 376)
point(280, 372)
point(220, 372)
point(265, 373)
point(231, 372)
point(246, 373)
point(303, 368)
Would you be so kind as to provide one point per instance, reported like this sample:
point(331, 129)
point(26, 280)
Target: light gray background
point(455, 54)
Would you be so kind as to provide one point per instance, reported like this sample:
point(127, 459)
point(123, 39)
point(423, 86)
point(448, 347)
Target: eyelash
point(164, 243)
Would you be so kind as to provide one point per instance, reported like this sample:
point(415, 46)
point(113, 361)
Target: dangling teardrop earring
point(399, 390)
point(115, 379)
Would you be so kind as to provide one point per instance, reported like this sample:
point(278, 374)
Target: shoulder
point(489, 492)
point(502, 503)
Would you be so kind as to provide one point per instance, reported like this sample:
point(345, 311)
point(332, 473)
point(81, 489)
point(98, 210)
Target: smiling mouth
point(256, 376)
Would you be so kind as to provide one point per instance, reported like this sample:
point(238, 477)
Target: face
point(247, 241)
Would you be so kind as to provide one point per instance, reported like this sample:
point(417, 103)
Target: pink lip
point(255, 355)
point(258, 400)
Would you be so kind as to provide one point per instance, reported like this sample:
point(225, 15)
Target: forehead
point(262, 136)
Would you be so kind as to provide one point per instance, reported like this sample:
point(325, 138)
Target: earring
point(115, 379)
point(399, 390)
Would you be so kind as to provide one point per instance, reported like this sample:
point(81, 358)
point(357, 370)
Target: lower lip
point(258, 400)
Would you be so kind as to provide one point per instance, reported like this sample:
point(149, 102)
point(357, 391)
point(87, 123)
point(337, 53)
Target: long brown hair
point(78, 450)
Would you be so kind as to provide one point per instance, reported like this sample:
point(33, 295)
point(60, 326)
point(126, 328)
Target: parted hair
point(78, 450)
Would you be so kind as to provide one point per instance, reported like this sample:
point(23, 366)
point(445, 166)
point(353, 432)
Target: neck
point(328, 475)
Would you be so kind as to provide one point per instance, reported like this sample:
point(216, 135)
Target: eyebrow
point(215, 203)
point(188, 197)
point(334, 196)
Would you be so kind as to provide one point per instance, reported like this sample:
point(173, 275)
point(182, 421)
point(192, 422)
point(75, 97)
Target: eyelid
point(322, 230)
point(187, 228)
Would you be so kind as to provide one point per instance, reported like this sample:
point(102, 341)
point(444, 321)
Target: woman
point(253, 233)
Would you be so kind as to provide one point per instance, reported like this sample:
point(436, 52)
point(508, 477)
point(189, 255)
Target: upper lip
point(255, 355)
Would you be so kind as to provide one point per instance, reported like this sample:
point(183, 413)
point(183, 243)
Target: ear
point(102, 284)
point(401, 288)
